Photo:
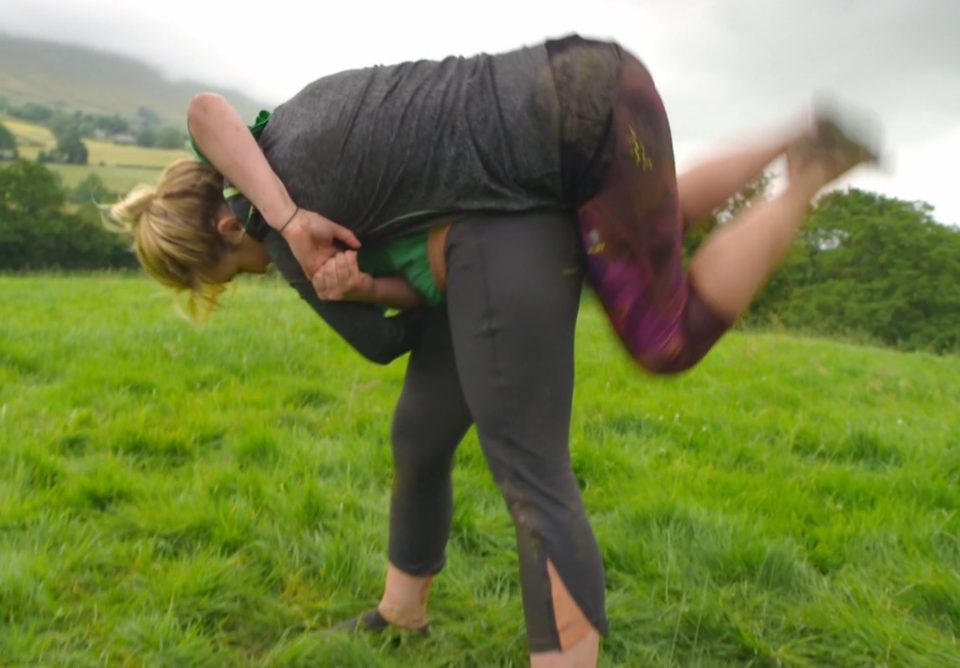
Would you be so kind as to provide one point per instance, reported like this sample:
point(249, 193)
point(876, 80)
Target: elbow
point(202, 107)
point(379, 355)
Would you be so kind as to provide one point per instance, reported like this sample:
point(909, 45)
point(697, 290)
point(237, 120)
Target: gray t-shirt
point(389, 150)
point(383, 150)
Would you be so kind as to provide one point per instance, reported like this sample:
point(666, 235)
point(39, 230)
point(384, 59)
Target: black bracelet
point(289, 220)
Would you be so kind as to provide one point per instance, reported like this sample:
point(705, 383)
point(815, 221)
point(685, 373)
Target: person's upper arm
point(222, 138)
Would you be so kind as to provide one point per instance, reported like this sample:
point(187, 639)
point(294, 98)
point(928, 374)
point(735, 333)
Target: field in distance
point(120, 167)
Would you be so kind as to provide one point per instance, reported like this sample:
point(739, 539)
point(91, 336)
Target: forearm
point(226, 142)
point(395, 292)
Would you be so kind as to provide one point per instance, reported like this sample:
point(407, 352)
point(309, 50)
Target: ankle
point(403, 617)
point(404, 601)
point(809, 181)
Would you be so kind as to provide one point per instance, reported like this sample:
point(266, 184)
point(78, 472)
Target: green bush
point(8, 144)
point(36, 232)
point(873, 266)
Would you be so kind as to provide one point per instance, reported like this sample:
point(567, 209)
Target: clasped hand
point(312, 238)
point(335, 273)
point(340, 279)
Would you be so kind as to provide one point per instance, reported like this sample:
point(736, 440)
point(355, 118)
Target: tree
point(872, 266)
point(63, 123)
point(90, 189)
point(8, 144)
point(68, 129)
point(70, 147)
point(36, 233)
point(29, 199)
point(146, 137)
point(112, 124)
point(148, 116)
point(29, 189)
point(32, 112)
point(170, 137)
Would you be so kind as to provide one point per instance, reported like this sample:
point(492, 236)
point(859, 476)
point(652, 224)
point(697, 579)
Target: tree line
point(44, 226)
point(866, 266)
point(870, 266)
point(70, 128)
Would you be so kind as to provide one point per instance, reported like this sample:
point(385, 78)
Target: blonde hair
point(174, 230)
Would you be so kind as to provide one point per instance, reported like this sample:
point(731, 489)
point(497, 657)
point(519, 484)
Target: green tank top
point(404, 256)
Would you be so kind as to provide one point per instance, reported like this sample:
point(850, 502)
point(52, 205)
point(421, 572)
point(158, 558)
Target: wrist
point(283, 226)
point(396, 292)
point(372, 292)
point(278, 208)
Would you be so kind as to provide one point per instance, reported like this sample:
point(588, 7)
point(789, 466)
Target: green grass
point(216, 496)
point(117, 180)
point(31, 138)
point(108, 153)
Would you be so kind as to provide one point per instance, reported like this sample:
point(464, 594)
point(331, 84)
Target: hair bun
point(127, 212)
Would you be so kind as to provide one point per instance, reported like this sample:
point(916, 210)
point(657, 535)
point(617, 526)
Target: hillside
point(79, 78)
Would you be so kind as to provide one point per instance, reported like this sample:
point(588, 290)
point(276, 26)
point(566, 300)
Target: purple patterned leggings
point(632, 232)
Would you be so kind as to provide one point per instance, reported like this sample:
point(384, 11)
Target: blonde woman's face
point(244, 255)
point(248, 256)
point(252, 256)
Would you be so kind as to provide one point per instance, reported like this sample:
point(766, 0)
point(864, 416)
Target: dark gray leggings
point(502, 359)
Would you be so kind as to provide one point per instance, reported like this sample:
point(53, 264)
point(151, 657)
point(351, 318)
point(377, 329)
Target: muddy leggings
point(503, 359)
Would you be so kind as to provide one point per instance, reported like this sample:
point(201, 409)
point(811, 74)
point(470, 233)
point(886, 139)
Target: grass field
point(31, 138)
point(118, 180)
point(120, 167)
point(175, 496)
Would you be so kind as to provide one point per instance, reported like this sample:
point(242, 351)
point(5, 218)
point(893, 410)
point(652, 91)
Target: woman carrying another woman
point(508, 167)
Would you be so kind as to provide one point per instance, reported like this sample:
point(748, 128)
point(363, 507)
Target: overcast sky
point(724, 67)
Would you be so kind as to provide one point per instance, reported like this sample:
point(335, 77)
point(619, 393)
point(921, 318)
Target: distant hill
point(78, 78)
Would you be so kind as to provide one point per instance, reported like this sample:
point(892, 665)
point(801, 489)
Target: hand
point(311, 236)
point(340, 279)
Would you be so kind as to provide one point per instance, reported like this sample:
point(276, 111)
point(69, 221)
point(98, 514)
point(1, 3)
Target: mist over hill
point(78, 78)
